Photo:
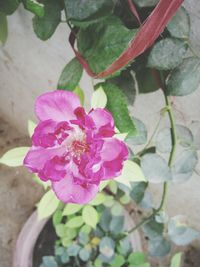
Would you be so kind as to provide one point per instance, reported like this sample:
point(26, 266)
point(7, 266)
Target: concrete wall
point(29, 67)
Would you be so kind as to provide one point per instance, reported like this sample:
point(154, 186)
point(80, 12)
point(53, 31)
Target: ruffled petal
point(57, 105)
point(103, 121)
point(70, 192)
point(114, 153)
point(37, 157)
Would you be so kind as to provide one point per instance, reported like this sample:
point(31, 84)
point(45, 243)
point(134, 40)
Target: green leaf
point(82, 10)
point(117, 209)
point(179, 231)
point(79, 92)
point(153, 230)
point(105, 220)
point(48, 261)
point(136, 258)
point(167, 54)
point(176, 260)
point(90, 216)
point(126, 83)
point(71, 208)
point(179, 26)
point(118, 107)
point(107, 246)
point(73, 250)
point(141, 136)
point(84, 254)
point(70, 76)
point(131, 172)
point(31, 127)
point(195, 128)
point(8, 6)
point(3, 28)
point(118, 261)
point(57, 217)
point(185, 79)
point(40, 182)
point(47, 205)
point(113, 186)
point(184, 166)
point(103, 184)
point(99, 199)
point(45, 26)
point(145, 80)
point(99, 98)
point(155, 168)
point(14, 157)
point(75, 222)
point(163, 138)
point(145, 3)
point(124, 247)
point(101, 44)
point(138, 191)
point(117, 224)
point(159, 247)
point(35, 7)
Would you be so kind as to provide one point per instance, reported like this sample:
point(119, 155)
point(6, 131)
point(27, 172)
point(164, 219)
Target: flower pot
point(23, 254)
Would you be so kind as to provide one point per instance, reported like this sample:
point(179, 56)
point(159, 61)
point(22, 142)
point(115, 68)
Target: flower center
point(79, 147)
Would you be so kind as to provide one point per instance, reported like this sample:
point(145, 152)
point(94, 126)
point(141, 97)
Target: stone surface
point(18, 194)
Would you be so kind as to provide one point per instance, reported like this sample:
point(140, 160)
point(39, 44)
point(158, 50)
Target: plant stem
point(170, 161)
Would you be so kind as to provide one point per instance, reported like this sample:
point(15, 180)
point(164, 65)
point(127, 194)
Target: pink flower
point(73, 149)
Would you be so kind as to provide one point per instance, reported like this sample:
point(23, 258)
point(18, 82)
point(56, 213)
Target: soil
point(18, 194)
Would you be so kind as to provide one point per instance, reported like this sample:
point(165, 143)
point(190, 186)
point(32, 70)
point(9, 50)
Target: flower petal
point(103, 121)
point(57, 105)
point(37, 157)
point(114, 153)
point(70, 192)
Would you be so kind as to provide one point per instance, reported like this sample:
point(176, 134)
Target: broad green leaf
point(99, 199)
point(147, 201)
point(8, 6)
point(105, 220)
point(121, 136)
point(71, 208)
point(117, 209)
point(155, 168)
point(107, 246)
point(45, 26)
point(146, 3)
point(90, 216)
point(184, 166)
point(117, 105)
point(49, 261)
point(73, 250)
point(31, 127)
point(125, 82)
point(47, 205)
point(101, 44)
point(195, 128)
point(167, 54)
point(185, 79)
point(131, 172)
point(3, 28)
point(176, 260)
point(14, 157)
point(35, 7)
point(83, 238)
point(146, 82)
point(117, 224)
point(124, 247)
point(75, 222)
point(136, 258)
point(159, 247)
point(57, 217)
point(179, 231)
point(84, 254)
point(153, 230)
point(163, 138)
point(79, 92)
point(141, 136)
point(118, 261)
point(99, 98)
point(70, 76)
point(81, 10)
point(138, 191)
point(179, 26)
